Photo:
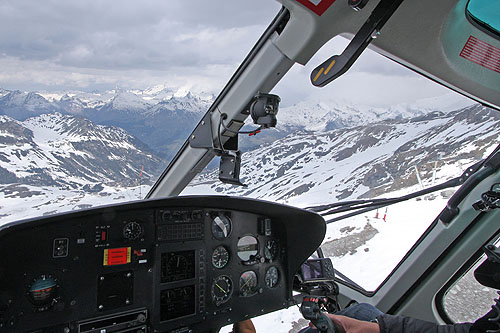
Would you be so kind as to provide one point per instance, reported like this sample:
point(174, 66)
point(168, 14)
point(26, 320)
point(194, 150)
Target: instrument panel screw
point(101, 307)
point(102, 278)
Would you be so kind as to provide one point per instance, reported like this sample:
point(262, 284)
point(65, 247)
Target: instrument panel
point(169, 265)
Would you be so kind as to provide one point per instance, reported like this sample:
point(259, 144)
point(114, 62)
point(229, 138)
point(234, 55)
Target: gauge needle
point(221, 288)
point(222, 226)
point(246, 283)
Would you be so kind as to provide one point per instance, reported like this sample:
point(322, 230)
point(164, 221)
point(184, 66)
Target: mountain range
point(72, 152)
point(162, 117)
point(94, 141)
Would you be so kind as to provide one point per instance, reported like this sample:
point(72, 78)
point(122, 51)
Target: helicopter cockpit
point(173, 263)
point(192, 263)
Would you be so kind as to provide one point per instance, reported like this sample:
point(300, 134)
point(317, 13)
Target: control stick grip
point(310, 309)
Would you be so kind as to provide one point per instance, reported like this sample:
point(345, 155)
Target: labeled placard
point(119, 256)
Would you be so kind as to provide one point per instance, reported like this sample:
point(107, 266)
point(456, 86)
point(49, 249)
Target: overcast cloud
point(197, 44)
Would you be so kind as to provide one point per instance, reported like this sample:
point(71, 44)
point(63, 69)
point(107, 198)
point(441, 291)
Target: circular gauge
point(177, 264)
point(247, 247)
point(222, 289)
point(43, 291)
point(132, 230)
point(248, 284)
point(220, 257)
point(271, 250)
point(272, 277)
point(221, 227)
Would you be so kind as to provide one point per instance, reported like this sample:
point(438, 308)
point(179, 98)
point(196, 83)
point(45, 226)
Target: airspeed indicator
point(220, 257)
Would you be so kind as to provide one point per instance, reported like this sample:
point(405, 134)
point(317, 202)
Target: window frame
point(439, 300)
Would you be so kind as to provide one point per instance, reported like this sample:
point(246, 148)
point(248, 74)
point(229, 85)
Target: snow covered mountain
point(163, 117)
point(333, 114)
point(22, 105)
point(364, 161)
point(71, 152)
point(160, 117)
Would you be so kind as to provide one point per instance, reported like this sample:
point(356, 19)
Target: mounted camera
point(264, 108)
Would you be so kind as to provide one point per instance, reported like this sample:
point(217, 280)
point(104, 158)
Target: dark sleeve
point(392, 324)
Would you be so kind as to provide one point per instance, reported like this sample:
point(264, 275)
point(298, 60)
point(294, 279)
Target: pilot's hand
point(245, 326)
point(348, 325)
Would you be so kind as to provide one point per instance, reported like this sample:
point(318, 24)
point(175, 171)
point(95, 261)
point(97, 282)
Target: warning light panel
point(119, 256)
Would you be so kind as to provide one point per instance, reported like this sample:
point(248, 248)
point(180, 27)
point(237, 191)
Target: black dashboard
point(183, 264)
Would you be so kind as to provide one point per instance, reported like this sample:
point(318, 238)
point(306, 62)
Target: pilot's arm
point(389, 323)
point(244, 327)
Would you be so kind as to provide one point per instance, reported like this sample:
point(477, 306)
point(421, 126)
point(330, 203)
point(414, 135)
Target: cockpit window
point(68, 143)
point(336, 145)
point(486, 14)
point(466, 299)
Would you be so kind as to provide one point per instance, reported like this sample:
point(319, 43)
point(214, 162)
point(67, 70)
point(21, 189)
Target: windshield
point(95, 102)
point(95, 99)
point(336, 145)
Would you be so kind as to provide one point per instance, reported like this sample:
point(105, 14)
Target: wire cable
point(224, 116)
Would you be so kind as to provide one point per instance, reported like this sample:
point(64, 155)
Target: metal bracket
point(202, 135)
point(339, 64)
point(229, 169)
point(230, 156)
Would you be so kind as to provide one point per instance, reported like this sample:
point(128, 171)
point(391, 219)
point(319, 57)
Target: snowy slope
point(70, 152)
point(362, 161)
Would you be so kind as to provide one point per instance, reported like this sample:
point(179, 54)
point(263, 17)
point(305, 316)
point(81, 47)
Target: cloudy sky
point(55, 45)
